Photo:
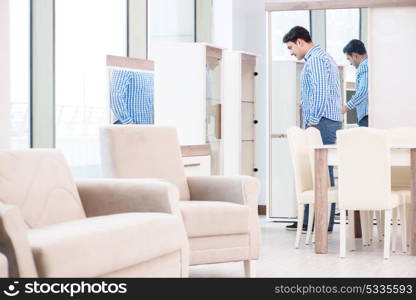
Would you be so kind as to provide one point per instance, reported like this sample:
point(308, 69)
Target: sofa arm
point(238, 189)
point(113, 196)
point(14, 243)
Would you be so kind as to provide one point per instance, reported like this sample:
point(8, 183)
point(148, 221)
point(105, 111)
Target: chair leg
point(300, 225)
point(403, 227)
point(342, 237)
point(250, 268)
point(393, 236)
point(408, 224)
point(387, 233)
point(379, 226)
point(364, 226)
point(351, 231)
point(310, 224)
point(313, 237)
point(370, 226)
point(329, 213)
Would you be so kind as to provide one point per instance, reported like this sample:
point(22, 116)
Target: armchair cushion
point(100, 245)
point(211, 218)
point(101, 197)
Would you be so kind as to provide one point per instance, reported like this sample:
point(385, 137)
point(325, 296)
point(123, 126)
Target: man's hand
point(345, 109)
point(312, 125)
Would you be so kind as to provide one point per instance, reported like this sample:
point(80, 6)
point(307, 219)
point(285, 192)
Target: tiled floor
point(280, 259)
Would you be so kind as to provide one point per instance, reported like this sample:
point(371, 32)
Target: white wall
point(4, 74)
point(222, 23)
point(392, 66)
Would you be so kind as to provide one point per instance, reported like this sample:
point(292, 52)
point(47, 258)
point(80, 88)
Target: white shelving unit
point(239, 113)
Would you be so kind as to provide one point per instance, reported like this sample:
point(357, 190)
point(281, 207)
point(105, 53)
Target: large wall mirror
point(332, 24)
point(332, 30)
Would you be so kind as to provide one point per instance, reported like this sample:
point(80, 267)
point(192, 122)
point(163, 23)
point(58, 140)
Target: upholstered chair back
point(314, 138)
point(40, 184)
point(400, 176)
point(298, 145)
point(364, 181)
point(143, 151)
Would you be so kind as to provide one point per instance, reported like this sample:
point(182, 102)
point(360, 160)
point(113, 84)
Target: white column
point(43, 104)
point(138, 28)
point(204, 21)
point(318, 21)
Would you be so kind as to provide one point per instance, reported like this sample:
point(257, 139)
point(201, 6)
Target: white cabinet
point(188, 95)
point(285, 112)
point(239, 113)
point(196, 160)
point(197, 165)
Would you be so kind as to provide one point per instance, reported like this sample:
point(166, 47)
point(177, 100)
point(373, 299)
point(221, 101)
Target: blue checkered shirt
point(360, 98)
point(321, 88)
point(131, 96)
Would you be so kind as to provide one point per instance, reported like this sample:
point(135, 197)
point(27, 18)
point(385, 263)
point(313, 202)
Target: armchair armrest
point(243, 190)
point(14, 243)
point(113, 196)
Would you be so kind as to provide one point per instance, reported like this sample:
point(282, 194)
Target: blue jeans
point(363, 122)
point(328, 129)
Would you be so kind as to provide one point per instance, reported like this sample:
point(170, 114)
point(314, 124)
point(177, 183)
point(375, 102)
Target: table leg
point(413, 203)
point(357, 224)
point(321, 201)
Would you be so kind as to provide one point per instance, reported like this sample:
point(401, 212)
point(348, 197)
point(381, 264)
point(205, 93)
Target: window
point(342, 25)
point(282, 22)
point(20, 73)
point(85, 32)
point(171, 21)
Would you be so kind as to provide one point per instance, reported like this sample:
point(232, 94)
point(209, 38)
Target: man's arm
point(362, 90)
point(319, 77)
point(120, 82)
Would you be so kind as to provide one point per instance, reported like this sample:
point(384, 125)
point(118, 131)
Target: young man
point(357, 56)
point(320, 94)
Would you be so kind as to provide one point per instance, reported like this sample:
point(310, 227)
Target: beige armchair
point(52, 227)
point(219, 213)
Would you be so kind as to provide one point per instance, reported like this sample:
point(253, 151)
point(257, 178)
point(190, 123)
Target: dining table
point(326, 155)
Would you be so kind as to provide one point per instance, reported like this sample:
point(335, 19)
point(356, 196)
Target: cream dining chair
point(401, 179)
point(299, 150)
point(364, 181)
point(315, 139)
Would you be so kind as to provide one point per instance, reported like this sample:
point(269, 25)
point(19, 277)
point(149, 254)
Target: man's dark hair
point(296, 33)
point(355, 46)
